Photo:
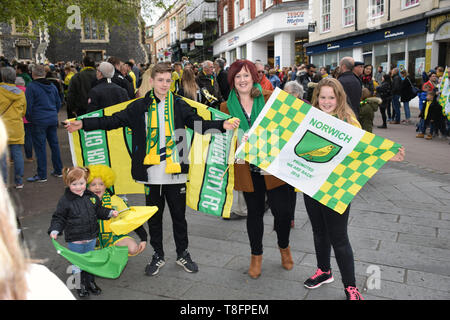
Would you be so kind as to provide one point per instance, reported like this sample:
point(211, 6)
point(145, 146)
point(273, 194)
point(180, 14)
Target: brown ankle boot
point(286, 258)
point(254, 270)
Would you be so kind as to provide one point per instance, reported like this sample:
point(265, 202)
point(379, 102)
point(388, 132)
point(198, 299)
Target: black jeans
point(282, 204)
point(330, 229)
point(175, 194)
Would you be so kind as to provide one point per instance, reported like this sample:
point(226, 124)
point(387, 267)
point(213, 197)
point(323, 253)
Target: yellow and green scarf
point(152, 140)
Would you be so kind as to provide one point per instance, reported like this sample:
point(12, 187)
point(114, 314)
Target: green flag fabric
point(107, 263)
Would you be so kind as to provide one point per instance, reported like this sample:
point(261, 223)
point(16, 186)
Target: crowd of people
point(351, 92)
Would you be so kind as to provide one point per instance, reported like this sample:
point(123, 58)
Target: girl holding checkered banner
point(329, 227)
point(246, 100)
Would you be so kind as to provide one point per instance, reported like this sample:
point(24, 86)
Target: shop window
point(345, 53)
point(376, 8)
point(348, 12)
point(330, 60)
point(380, 52)
point(398, 53)
point(406, 4)
point(233, 56)
point(416, 55)
point(243, 52)
point(325, 23)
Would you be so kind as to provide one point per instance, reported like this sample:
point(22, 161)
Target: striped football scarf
point(152, 140)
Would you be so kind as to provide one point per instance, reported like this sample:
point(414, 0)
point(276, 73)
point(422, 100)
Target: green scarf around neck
point(234, 106)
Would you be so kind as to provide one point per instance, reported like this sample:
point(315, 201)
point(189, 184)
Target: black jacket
point(222, 79)
point(385, 92)
point(353, 88)
point(211, 84)
point(79, 86)
point(124, 83)
point(77, 216)
point(134, 117)
point(105, 94)
point(396, 85)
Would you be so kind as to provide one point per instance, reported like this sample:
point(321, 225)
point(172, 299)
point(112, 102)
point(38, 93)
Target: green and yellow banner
point(210, 184)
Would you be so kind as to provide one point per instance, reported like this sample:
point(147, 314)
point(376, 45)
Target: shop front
point(275, 37)
point(401, 46)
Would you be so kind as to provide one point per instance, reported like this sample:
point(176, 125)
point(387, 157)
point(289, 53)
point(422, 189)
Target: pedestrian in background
point(385, 93)
point(43, 104)
point(12, 110)
point(105, 93)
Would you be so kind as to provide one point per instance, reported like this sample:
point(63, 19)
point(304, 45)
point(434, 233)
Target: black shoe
point(91, 285)
point(382, 127)
point(234, 216)
point(318, 279)
point(186, 262)
point(153, 267)
point(83, 292)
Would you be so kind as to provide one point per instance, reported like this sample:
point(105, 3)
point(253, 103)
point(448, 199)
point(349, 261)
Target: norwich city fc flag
point(322, 156)
point(210, 184)
point(107, 263)
point(445, 95)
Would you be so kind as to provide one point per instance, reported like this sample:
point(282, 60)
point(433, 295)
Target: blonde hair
point(72, 174)
point(145, 83)
point(103, 172)
point(13, 259)
point(343, 110)
point(189, 84)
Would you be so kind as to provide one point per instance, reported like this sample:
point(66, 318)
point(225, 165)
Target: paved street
point(399, 229)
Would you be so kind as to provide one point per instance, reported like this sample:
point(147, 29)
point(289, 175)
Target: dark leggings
point(330, 229)
point(282, 204)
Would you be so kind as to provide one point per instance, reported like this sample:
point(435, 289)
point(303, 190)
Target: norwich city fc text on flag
point(210, 185)
point(322, 156)
point(445, 95)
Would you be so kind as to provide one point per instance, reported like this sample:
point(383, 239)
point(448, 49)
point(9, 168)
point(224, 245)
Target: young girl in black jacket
point(385, 93)
point(76, 214)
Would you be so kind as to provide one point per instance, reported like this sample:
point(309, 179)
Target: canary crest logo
point(386, 33)
point(314, 148)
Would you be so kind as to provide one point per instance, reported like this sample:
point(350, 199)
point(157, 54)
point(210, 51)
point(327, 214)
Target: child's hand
point(141, 246)
point(114, 213)
point(54, 235)
point(400, 156)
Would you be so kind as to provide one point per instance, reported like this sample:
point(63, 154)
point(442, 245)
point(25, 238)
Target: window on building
point(376, 8)
point(348, 12)
point(243, 52)
point(236, 14)
point(94, 30)
point(397, 53)
point(416, 55)
point(21, 26)
point(259, 7)
point(380, 52)
point(269, 3)
point(325, 15)
point(23, 52)
point(409, 3)
point(225, 19)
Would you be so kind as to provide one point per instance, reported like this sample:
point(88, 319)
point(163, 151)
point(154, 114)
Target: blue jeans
point(81, 248)
point(40, 135)
point(396, 106)
point(16, 156)
point(407, 112)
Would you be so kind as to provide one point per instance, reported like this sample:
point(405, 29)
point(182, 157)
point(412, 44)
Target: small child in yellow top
point(100, 180)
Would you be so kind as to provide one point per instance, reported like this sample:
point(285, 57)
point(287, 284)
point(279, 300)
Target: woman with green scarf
point(246, 100)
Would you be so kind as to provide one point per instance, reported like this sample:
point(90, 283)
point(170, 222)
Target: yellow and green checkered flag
point(324, 157)
point(445, 94)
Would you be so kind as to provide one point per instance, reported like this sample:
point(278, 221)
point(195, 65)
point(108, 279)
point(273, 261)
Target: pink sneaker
point(352, 293)
point(318, 279)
